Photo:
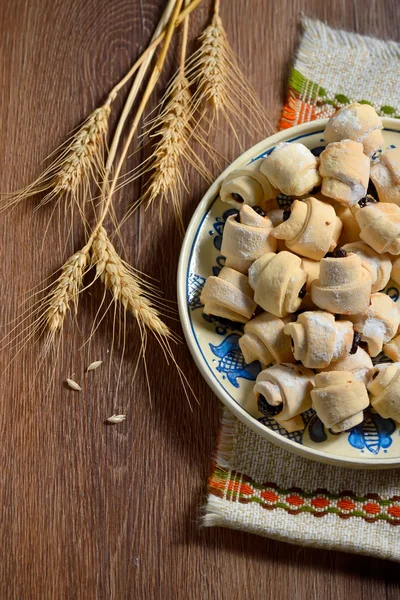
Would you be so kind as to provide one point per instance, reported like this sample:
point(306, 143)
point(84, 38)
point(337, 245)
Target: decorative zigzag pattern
point(237, 487)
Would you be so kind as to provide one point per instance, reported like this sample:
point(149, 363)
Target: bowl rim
point(184, 258)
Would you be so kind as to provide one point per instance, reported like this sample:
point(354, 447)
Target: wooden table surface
point(97, 511)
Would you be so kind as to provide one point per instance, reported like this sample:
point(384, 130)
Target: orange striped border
point(236, 487)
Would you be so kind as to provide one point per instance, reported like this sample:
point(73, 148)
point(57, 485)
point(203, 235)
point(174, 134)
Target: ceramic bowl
point(214, 345)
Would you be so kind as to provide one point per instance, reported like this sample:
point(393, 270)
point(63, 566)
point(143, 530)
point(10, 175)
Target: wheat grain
point(116, 419)
point(94, 365)
point(73, 385)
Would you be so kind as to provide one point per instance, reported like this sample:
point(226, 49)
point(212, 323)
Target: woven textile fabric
point(334, 68)
point(255, 486)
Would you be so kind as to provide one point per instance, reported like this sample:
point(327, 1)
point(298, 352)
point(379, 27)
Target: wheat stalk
point(68, 173)
point(220, 84)
point(79, 162)
point(171, 154)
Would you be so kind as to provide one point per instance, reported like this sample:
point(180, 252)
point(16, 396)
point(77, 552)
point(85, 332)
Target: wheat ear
point(79, 161)
point(140, 300)
point(173, 127)
point(125, 286)
point(66, 289)
point(221, 86)
point(47, 315)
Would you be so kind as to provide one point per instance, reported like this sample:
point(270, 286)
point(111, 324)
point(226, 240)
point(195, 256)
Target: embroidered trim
point(236, 487)
point(308, 101)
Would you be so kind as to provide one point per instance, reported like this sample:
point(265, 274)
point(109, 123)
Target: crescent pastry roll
point(283, 391)
point(379, 323)
point(246, 239)
point(247, 185)
point(343, 287)
point(339, 400)
point(395, 274)
point(392, 349)
point(351, 229)
point(311, 267)
point(229, 296)
point(264, 340)
point(344, 169)
point(360, 364)
point(385, 176)
point(318, 339)
point(249, 404)
point(292, 168)
point(380, 226)
point(278, 280)
point(311, 230)
point(275, 215)
point(358, 122)
point(384, 389)
point(378, 265)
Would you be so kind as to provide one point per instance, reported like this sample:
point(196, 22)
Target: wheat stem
point(146, 95)
point(185, 35)
point(177, 21)
point(217, 4)
point(137, 83)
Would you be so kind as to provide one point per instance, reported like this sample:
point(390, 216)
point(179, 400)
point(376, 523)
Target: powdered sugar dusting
point(341, 331)
point(346, 119)
point(373, 328)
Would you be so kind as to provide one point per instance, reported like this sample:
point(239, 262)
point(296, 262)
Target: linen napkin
point(256, 486)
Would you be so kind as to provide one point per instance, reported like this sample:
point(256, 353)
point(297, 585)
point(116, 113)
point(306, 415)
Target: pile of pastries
point(307, 281)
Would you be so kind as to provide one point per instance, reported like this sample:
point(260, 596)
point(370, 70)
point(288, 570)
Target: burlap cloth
point(255, 486)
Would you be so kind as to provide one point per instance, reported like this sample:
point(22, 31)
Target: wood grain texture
point(111, 512)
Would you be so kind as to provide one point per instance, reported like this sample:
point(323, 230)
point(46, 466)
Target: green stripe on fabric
point(302, 85)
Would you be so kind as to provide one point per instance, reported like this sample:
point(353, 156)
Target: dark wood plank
point(94, 511)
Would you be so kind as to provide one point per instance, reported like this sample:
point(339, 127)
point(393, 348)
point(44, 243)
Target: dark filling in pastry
point(356, 342)
point(367, 200)
point(258, 210)
point(223, 323)
point(266, 409)
point(237, 197)
point(317, 151)
point(371, 191)
point(337, 253)
point(286, 213)
point(302, 292)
